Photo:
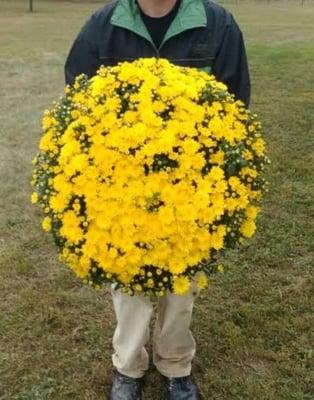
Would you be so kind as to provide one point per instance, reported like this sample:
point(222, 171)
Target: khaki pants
point(173, 343)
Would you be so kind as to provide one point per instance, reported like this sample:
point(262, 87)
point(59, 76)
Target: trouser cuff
point(175, 373)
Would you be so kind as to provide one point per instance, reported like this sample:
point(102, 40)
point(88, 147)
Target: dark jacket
point(203, 35)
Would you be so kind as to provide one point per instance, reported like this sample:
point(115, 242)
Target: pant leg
point(133, 316)
point(174, 345)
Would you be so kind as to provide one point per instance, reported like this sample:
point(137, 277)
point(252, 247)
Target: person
point(191, 33)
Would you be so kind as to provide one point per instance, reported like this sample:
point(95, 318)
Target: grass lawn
point(253, 324)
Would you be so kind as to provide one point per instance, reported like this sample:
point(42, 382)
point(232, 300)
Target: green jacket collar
point(191, 15)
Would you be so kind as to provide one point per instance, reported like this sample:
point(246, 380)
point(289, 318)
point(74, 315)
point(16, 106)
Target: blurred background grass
point(253, 324)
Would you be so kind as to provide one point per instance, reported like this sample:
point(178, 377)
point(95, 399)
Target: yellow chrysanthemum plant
point(146, 172)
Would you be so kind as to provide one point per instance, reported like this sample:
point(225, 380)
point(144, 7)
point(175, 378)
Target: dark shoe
point(126, 388)
point(181, 388)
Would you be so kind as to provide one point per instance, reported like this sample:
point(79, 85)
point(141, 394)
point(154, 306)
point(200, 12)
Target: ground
point(253, 324)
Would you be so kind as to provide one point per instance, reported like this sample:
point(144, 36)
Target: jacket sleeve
point(230, 64)
point(83, 56)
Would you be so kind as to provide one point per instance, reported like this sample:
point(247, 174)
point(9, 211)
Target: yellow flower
point(71, 229)
point(202, 281)
point(138, 288)
point(180, 285)
point(58, 202)
point(246, 171)
point(46, 224)
point(248, 228)
point(34, 198)
point(252, 212)
point(217, 241)
point(46, 142)
point(259, 147)
point(247, 154)
point(220, 268)
point(217, 158)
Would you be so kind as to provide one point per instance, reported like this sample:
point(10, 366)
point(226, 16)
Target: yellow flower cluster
point(146, 172)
